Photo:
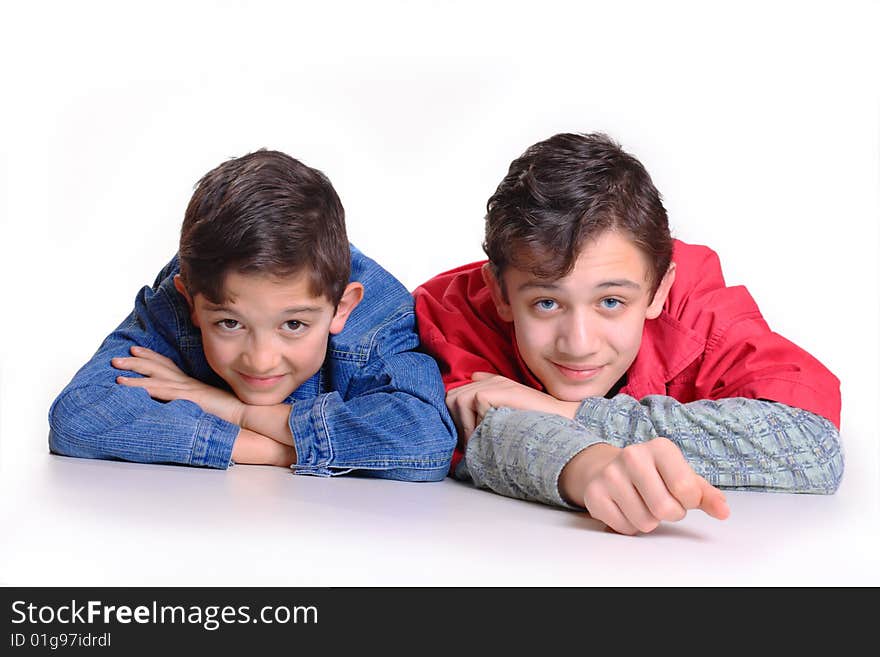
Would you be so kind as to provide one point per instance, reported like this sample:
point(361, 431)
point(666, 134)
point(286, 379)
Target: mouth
point(578, 372)
point(260, 381)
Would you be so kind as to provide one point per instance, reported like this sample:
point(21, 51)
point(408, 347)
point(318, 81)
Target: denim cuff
point(310, 437)
point(213, 442)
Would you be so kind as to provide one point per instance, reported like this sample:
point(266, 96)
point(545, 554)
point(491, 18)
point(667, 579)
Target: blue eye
point(546, 304)
point(611, 304)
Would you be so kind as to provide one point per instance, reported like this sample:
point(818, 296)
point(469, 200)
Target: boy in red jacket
point(595, 362)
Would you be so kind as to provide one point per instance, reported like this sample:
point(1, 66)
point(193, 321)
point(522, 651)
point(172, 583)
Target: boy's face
point(579, 334)
point(271, 333)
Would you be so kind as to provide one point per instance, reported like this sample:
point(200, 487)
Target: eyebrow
point(618, 282)
point(294, 310)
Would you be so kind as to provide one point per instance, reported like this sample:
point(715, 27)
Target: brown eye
point(228, 324)
point(294, 325)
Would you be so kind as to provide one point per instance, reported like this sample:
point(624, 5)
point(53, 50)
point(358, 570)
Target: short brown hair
point(566, 190)
point(264, 212)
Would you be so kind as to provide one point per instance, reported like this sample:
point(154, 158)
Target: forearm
point(734, 443)
point(257, 449)
point(270, 421)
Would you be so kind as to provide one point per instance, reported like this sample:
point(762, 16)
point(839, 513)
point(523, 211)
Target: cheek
point(532, 336)
point(626, 338)
point(307, 353)
point(218, 352)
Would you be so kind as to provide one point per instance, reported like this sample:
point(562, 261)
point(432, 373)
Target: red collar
point(668, 347)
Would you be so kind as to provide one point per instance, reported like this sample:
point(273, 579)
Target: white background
point(757, 120)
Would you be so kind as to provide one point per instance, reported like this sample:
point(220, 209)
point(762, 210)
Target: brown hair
point(565, 191)
point(264, 212)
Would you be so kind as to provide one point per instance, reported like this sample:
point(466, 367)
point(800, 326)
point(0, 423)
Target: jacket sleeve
point(387, 419)
point(738, 444)
point(94, 417)
point(743, 357)
point(459, 328)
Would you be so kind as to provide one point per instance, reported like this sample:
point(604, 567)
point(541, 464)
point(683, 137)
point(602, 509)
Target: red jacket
point(709, 342)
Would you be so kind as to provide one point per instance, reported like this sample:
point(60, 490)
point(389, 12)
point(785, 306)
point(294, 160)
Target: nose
point(579, 335)
point(262, 356)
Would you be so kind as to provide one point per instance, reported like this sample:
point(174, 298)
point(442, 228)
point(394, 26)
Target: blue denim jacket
point(377, 406)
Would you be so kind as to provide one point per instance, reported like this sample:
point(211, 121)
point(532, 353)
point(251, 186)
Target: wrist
point(272, 421)
point(567, 409)
point(240, 414)
point(581, 468)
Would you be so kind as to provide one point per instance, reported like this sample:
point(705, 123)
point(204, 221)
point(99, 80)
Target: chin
point(569, 393)
point(264, 399)
point(569, 396)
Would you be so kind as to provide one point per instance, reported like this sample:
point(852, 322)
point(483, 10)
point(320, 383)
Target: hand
point(164, 381)
point(469, 403)
point(635, 488)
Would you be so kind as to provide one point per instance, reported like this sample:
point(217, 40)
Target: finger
point(466, 408)
point(135, 382)
point(157, 367)
point(131, 364)
point(605, 510)
point(468, 419)
point(460, 427)
point(156, 391)
point(713, 501)
point(144, 352)
point(482, 376)
point(679, 477)
point(139, 365)
point(456, 394)
point(462, 415)
point(480, 407)
point(650, 486)
point(630, 502)
point(464, 428)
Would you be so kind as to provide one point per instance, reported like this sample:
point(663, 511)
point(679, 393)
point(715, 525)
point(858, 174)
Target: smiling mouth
point(261, 381)
point(580, 373)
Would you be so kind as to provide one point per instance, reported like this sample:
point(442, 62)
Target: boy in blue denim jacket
point(268, 339)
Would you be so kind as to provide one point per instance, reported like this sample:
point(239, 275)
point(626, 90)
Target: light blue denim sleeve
point(94, 417)
point(387, 416)
point(739, 444)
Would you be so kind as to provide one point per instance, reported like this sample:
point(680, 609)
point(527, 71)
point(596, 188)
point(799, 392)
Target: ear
point(656, 306)
point(180, 287)
point(498, 296)
point(351, 297)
